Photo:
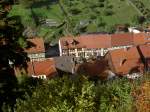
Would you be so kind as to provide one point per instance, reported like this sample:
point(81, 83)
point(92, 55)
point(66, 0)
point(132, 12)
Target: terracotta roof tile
point(145, 49)
point(122, 39)
point(141, 38)
point(124, 61)
point(46, 67)
point(36, 45)
point(86, 41)
point(94, 68)
point(104, 40)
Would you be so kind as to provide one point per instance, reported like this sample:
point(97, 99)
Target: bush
point(108, 12)
point(115, 96)
point(77, 95)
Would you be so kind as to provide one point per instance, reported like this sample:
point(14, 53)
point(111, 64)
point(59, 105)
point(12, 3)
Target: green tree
point(77, 94)
point(115, 96)
point(12, 53)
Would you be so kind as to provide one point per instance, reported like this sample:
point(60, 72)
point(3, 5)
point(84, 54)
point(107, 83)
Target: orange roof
point(124, 61)
point(94, 68)
point(145, 49)
point(36, 45)
point(122, 39)
point(104, 40)
point(46, 67)
point(86, 41)
point(141, 38)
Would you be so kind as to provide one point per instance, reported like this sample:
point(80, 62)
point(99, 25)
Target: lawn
point(87, 11)
point(146, 3)
point(123, 13)
point(53, 12)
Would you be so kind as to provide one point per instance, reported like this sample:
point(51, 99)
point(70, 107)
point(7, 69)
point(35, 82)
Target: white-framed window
point(42, 76)
point(39, 77)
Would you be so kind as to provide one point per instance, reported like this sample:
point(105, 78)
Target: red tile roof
point(46, 67)
point(124, 61)
point(122, 39)
point(94, 68)
point(145, 50)
point(86, 41)
point(36, 45)
point(141, 38)
point(104, 40)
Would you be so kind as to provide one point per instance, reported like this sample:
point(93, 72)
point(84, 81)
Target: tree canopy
point(11, 51)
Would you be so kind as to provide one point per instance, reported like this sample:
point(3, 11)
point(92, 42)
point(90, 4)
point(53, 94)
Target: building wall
point(120, 47)
point(37, 56)
point(60, 49)
point(86, 53)
point(83, 52)
point(42, 76)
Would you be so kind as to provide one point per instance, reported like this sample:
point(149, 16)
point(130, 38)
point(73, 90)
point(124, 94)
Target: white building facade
point(87, 46)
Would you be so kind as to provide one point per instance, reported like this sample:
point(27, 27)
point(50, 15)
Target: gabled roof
point(46, 67)
point(121, 39)
point(86, 41)
point(145, 50)
point(36, 45)
point(141, 38)
point(90, 41)
point(65, 63)
point(93, 68)
point(123, 61)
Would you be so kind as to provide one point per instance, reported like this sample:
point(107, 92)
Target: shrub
point(77, 95)
point(115, 96)
point(108, 12)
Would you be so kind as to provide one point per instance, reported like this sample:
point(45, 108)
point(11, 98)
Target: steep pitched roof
point(86, 41)
point(145, 50)
point(36, 45)
point(141, 38)
point(123, 61)
point(46, 67)
point(104, 40)
point(93, 68)
point(65, 63)
point(122, 39)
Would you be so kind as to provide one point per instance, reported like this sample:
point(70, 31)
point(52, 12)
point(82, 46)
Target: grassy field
point(53, 13)
point(146, 3)
point(122, 13)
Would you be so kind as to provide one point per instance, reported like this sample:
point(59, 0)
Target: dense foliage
point(52, 19)
point(77, 95)
point(11, 51)
point(65, 94)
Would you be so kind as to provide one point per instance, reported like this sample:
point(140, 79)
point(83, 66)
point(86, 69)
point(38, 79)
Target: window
point(42, 76)
point(79, 49)
point(81, 54)
point(123, 62)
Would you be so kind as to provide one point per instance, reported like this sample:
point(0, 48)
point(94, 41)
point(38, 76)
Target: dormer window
point(123, 62)
point(66, 43)
point(74, 42)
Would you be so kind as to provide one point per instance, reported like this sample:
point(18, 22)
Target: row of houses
point(119, 54)
point(130, 60)
point(38, 65)
point(99, 44)
point(119, 62)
